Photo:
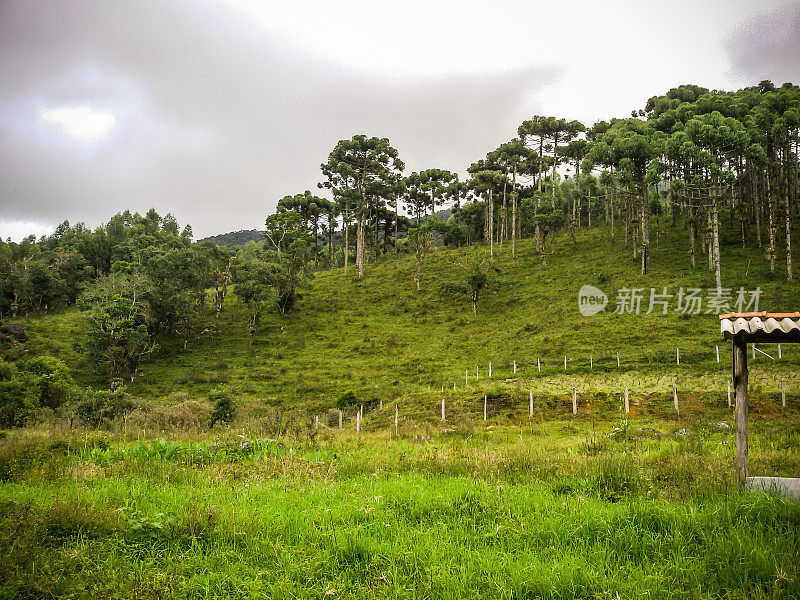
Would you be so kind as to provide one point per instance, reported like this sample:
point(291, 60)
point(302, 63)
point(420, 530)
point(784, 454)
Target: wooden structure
point(750, 328)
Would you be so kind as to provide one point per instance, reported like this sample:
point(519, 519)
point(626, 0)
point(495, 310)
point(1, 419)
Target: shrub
point(103, 407)
point(223, 406)
point(347, 399)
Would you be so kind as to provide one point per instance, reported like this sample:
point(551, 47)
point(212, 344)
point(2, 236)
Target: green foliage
point(224, 408)
point(348, 399)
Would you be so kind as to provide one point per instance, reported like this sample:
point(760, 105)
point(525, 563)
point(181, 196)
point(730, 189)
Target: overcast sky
point(213, 110)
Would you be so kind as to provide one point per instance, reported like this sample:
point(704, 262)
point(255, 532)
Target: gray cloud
point(767, 46)
point(216, 119)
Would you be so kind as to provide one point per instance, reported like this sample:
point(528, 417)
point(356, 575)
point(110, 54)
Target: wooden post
point(316, 421)
point(454, 386)
point(754, 351)
point(627, 404)
point(591, 362)
point(340, 418)
point(779, 351)
point(530, 404)
point(675, 395)
point(476, 373)
point(358, 422)
point(678, 355)
point(484, 407)
point(443, 409)
point(565, 362)
point(395, 419)
point(717, 354)
point(740, 389)
point(539, 364)
point(515, 367)
point(729, 393)
point(490, 370)
point(618, 360)
point(381, 406)
point(574, 401)
point(466, 377)
point(783, 394)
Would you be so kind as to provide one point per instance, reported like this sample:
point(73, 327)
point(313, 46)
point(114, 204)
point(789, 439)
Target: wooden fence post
point(565, 362)
point(627, 404)
point(484, 407)
point(340, 418)
point(515, 367)
point(591, 362)
point(574, 401)
point(678, 355)
point(539, 364)
point(740, 389)
point(381, 406)
point(754, 351)
point(729, 393)
point(476, 373)
point(717, 354)
point(530, 404)
point(358, 422)
point(316, 421)
point(783, 394)
point(443, 409)
point(618, 360)
point(490, 370)
point(395, 419)
point(675, 395)
point(779, 351)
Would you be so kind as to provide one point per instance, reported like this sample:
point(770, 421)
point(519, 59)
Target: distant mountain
point(235, 239)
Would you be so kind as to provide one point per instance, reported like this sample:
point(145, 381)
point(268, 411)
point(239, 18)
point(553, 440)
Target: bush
point(347, 399)
point(223, 406)
point(104, 407)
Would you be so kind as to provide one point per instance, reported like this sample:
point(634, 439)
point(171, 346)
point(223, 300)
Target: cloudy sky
point(213, 110)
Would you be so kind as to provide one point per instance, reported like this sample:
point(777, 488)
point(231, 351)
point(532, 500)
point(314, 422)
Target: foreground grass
point(562, 509)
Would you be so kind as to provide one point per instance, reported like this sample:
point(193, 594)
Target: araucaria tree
point(364, 171)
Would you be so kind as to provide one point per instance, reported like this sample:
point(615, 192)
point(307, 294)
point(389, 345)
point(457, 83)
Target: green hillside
point(382, 338)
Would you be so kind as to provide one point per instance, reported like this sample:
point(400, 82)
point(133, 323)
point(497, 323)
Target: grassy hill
point(383, 339)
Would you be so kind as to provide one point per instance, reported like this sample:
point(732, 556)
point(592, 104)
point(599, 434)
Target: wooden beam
point(740, 387)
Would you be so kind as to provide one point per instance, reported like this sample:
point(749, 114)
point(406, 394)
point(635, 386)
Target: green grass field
point(558, 509)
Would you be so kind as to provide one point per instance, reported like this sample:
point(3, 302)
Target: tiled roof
point(761, 327)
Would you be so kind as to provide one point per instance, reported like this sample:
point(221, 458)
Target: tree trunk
point(491, 224)
point(513, 210)
point(715, 236)
point(360, 247)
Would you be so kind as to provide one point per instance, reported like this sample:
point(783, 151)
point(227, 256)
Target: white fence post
point(618, 360)
point(395, 419)
point(675, 395)
point(574, 401)
point(627, 404)
point(783, 394)
point(779, 351)
point(490, 370)
point(729, 393)
point(591, 362)
point(717, 354)
point(565, 362)
point(530, 404)
point(678, 355)
point(443, 409)
point(484, 407)
point(539, 364)
point(340, 418)
point(515, 367)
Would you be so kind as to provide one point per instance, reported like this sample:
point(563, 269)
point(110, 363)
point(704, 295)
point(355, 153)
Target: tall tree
point(365, 171)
